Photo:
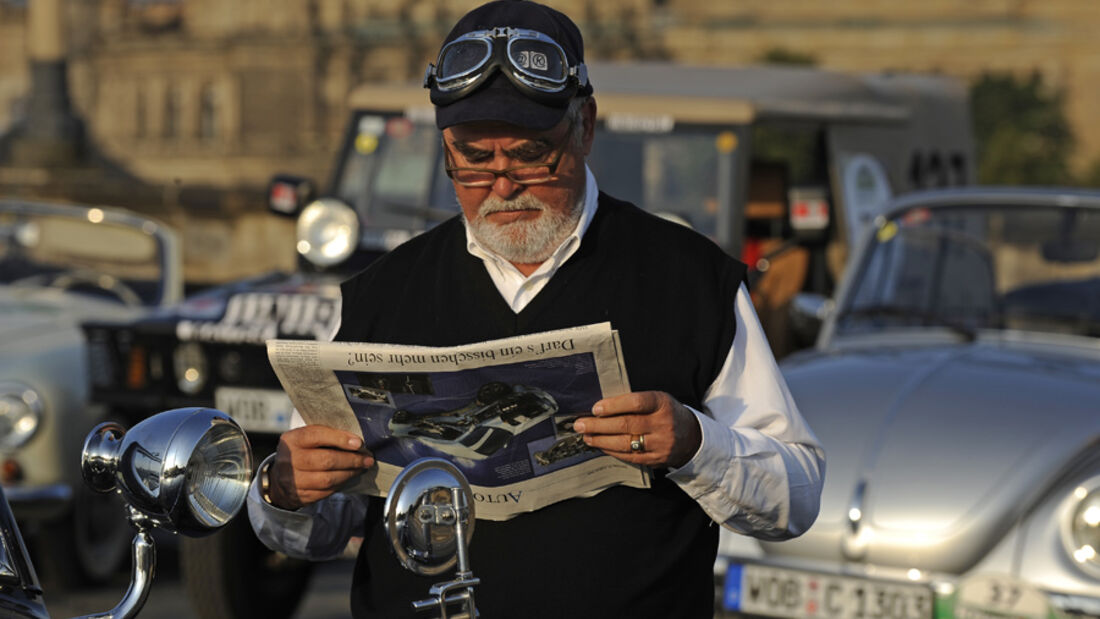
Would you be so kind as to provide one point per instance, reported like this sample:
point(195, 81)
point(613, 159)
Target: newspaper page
point(501, 410)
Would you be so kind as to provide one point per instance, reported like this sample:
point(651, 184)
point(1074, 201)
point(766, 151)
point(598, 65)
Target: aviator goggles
point(534, 62)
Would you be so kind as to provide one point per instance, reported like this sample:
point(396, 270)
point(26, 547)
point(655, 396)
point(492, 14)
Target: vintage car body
point(786, 165)
point(20, 592)
point(60, 264)
point(956, 390)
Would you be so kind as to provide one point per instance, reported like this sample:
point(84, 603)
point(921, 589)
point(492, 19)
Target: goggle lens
point(538, 59)
point(463, 56)
point(534, 63)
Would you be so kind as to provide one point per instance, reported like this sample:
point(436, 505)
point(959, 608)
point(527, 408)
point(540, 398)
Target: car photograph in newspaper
point(502, 410)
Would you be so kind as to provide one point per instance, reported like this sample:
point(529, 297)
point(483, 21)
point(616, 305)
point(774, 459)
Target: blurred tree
point(1091, 175)
point(1022, 135)
point(780, 55)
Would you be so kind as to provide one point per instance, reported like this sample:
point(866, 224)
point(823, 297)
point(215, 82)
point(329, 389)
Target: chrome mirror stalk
point(430, 522)
point(142, 572)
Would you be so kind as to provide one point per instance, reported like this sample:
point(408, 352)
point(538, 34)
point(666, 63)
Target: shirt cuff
point(281, 530)
point(712, 455)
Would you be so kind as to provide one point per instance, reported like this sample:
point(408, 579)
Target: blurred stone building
point(223, 94)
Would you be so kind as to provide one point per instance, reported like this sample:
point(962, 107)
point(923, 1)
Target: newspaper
point(502, 410)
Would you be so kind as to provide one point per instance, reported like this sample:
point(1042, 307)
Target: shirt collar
point(568, 247)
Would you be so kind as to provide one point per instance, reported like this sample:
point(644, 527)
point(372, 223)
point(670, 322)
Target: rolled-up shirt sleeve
point(759, 467)
point(318, 531)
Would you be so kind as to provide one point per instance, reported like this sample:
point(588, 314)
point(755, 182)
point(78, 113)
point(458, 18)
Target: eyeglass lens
point(533, 174)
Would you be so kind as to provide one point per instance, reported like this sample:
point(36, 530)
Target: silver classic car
point(955, 386)
point(59, 265)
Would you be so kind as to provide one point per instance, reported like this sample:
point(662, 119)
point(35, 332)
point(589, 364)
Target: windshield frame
point(947, 331)
point(732, 158)
point(169, 286)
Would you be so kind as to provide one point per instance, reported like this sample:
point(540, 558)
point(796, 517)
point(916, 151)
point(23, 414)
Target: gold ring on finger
point(637, 443)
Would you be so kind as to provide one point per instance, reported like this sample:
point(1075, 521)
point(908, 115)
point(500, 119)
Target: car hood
point(939, 448)
point(27, 312)
point(273, 305)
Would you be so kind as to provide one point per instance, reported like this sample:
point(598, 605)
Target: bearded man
point(538, 247)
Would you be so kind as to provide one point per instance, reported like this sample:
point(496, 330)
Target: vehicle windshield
point(967, 268)
point(392, 174)
point(81, 252)
point(672, 173)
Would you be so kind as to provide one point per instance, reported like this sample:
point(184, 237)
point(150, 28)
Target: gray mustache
point(523, 203)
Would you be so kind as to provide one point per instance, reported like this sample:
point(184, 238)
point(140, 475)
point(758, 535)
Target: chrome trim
point(1076, 605)
point(141, 580)
point(30, 398)
point(150, 466)
point(855, 508)
point(167, 240)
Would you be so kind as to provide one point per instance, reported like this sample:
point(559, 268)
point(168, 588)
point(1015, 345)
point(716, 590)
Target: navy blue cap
point(498, 99)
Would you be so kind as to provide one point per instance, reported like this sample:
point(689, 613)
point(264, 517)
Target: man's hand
point(671, 431)
point(312, 462)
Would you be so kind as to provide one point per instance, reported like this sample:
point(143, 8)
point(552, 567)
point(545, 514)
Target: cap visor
point(499, 101)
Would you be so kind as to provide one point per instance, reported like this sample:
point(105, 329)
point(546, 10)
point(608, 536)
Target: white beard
point(524, 241)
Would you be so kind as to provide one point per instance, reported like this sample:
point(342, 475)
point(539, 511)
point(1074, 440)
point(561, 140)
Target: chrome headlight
point(191, 368)
point(1082, 531)
point(328, 232)
point(186, 470)
point(20, 414)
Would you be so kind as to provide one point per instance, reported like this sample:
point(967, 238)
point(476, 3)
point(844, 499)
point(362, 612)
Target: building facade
point(228, 92)
point(225, 94)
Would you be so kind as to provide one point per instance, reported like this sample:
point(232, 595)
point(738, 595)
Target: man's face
point(522, 223)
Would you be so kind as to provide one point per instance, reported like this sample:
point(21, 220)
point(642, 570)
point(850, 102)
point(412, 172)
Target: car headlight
point(1082, 532)
point(189, 361)
point(186, 470)
point(20, 414)
point(328, 232)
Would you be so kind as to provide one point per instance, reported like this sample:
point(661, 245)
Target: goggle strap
point(580, 73)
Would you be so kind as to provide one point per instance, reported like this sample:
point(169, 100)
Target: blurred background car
point(956, 390)
point(60, 264)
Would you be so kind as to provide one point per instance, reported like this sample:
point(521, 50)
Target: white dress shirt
point(758, 469)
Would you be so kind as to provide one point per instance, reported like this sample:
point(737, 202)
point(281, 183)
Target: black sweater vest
point(625, 552)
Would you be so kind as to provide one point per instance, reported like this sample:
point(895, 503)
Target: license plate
point(782, 592)
point(257, 410)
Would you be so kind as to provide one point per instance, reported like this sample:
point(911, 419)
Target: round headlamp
point(20, 414)
point(191, 368)
point(328, 232)
point(1082, 533)
point(186, 470)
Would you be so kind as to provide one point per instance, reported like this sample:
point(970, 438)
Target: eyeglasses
point(534, 62)
point(527, 174)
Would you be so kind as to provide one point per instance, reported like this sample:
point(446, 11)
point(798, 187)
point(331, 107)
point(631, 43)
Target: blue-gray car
point(61, 264)
point(955, 386)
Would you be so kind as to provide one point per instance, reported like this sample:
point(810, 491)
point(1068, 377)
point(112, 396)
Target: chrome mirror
point(430, 522)
point(185, 470)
